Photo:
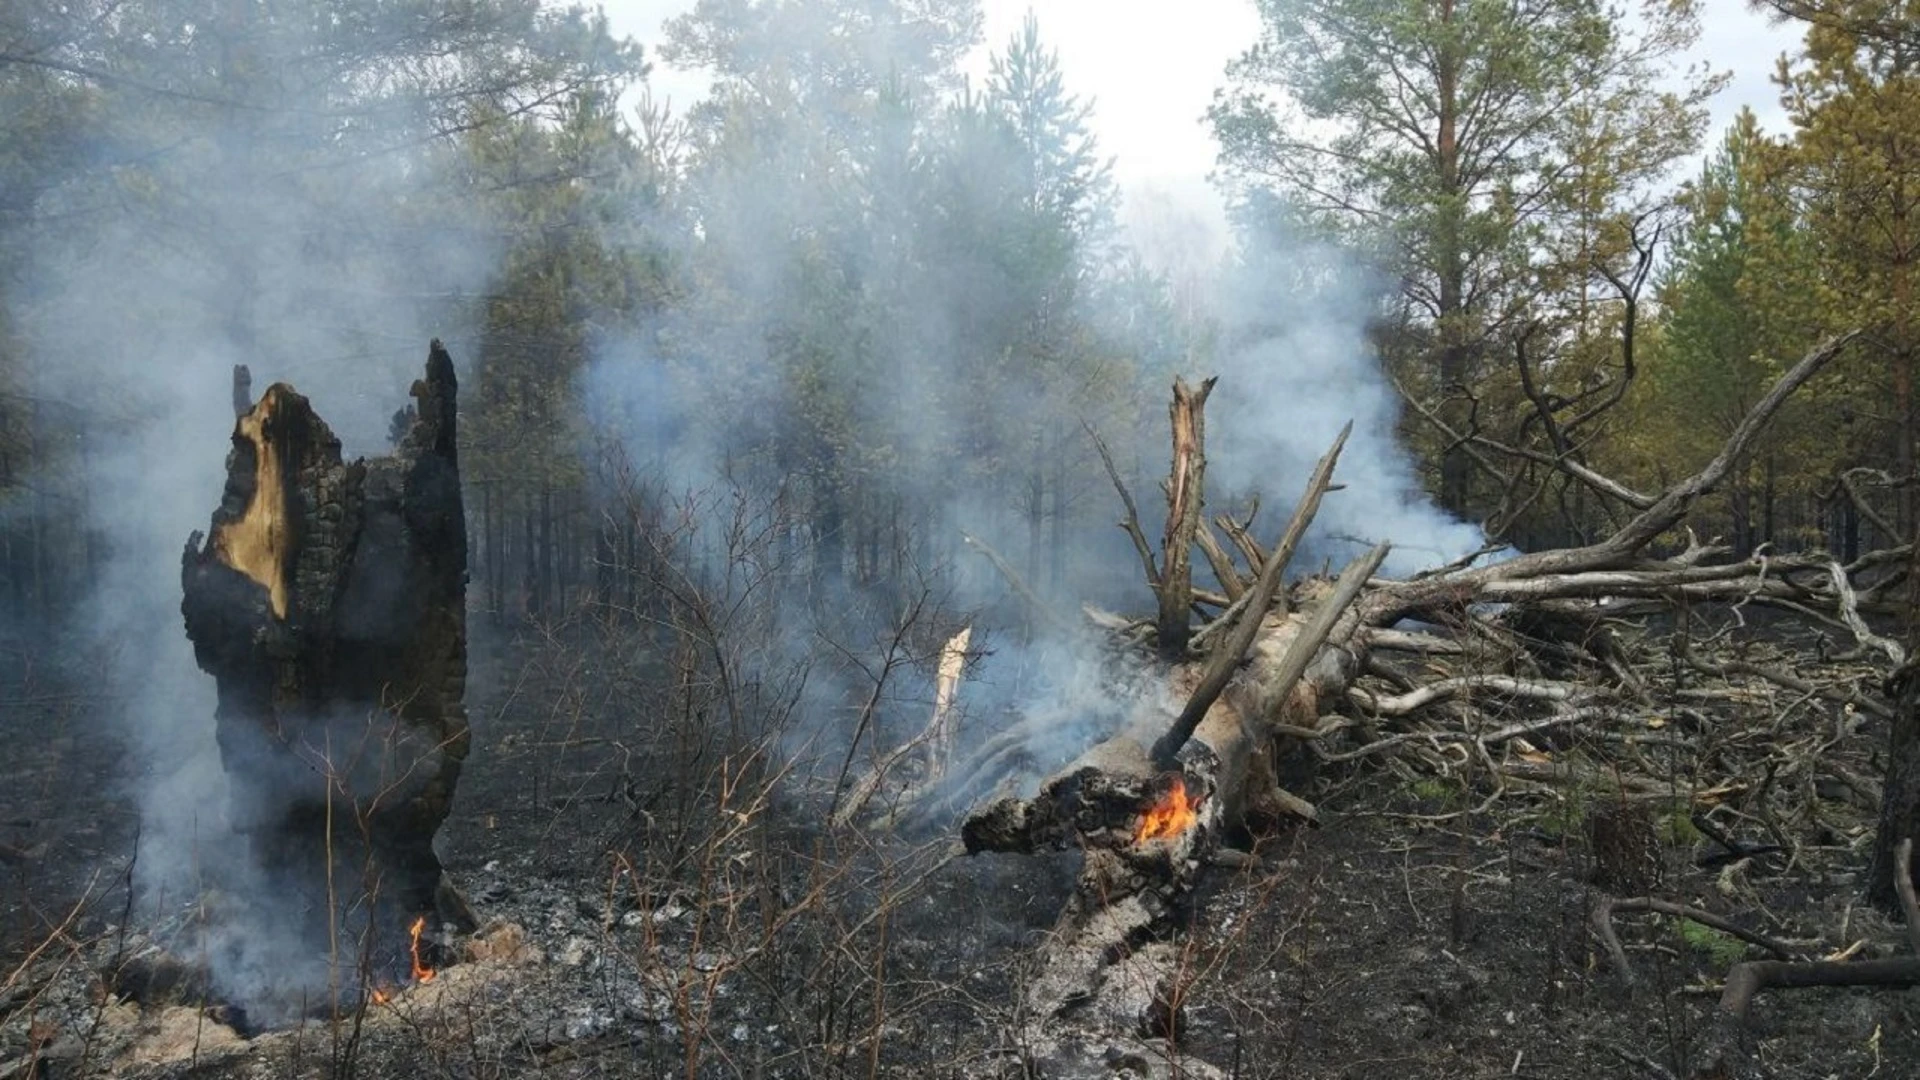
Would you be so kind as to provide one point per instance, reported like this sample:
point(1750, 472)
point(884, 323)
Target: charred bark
point(328, 601)
point(1900, 795)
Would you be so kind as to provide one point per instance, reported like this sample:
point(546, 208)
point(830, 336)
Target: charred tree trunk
point(1900, 795)
point(328, 602)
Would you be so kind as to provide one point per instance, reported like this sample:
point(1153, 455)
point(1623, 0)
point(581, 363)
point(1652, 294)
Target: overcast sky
point(1151, 67)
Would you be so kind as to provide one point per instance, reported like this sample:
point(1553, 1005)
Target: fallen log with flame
point(328, 601)
point(1274, 674)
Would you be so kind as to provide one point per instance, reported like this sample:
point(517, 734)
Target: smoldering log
point(328, 601)
point(1150, 806)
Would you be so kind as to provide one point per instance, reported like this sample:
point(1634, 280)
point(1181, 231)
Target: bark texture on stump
point(328, 601)
point(1626, 848)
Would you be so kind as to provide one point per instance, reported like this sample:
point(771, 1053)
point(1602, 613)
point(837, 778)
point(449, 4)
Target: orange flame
point(381, 996)
point(421, 972)
point(1169, 817)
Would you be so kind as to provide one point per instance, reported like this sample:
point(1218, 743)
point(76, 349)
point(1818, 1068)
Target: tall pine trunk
point(1450, 266)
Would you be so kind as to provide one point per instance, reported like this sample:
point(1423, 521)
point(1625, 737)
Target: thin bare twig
point(1132, 522)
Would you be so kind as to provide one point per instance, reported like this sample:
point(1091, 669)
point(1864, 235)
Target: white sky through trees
point(1151, 67)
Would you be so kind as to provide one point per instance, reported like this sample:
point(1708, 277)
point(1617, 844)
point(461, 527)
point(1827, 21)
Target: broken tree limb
point(1746, 980)
point(1220, 562)
point(1850, 486)
point(1042, 611)
point(1186, 482)
point(1678, 500)
point(1273, 688)
point(945, 727)
point(1849, 604)
point(1602, 923)
point(1203, 640)
point(1240, 532)
point(1586, 474)
point(1446, 689)
point(934, 744)
point(1412, 641)
point(1319, 482)
point(1131, 524)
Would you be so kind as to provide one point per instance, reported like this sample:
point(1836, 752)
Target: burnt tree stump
point(1626, 848)
point(328, 601)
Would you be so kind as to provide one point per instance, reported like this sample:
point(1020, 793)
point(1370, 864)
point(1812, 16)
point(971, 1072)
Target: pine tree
point(1854, 101)
point(1454, 138)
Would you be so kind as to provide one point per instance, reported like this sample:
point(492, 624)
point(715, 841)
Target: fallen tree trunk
point(1149, 821)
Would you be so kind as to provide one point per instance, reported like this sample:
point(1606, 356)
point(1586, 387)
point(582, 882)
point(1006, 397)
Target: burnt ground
point(66, 823)
point(690, 917)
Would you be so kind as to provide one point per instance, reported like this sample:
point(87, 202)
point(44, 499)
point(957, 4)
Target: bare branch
point(1318, 484)
point(1041, 609)
point(1746, 980)
point(1240, 532)
point(1849, 604)
point(1602, 922)
point(1386, 606)
point(1680, 499)
point(1414, 700)
point(1220, 561)
point(1132, 523)
point(1850, 486)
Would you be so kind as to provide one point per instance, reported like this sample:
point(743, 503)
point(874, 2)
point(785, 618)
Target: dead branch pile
point(1488, 674)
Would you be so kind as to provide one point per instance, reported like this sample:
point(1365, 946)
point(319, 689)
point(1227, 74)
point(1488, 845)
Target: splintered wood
point(933, 746)
point(1186, 484)
point(258, 541)
point(944, 729)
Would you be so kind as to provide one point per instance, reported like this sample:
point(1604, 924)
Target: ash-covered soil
point(67, 819)
point(663, 900)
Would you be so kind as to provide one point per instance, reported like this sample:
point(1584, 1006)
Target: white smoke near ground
point(1295, 365)
point(329, 273)
point(1290, 346)
point(252, 237)
point(158, 475)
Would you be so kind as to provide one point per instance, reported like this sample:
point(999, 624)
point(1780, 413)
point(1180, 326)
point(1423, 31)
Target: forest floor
point(650, 917)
